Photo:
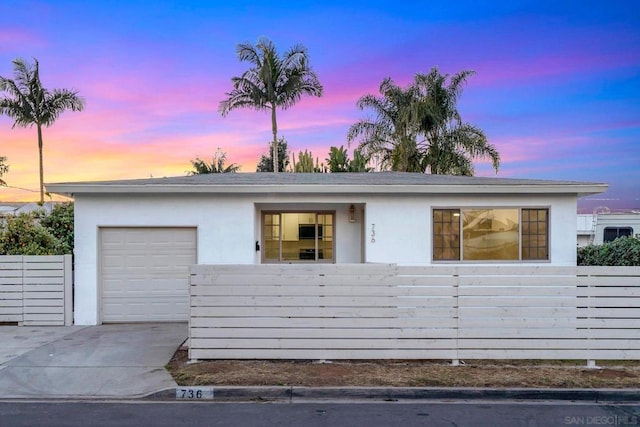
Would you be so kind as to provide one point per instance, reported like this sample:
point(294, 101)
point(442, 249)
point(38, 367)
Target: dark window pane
point(626, 231)
point(612, 233)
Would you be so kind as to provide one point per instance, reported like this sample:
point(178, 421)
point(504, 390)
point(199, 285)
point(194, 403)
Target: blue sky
point(557, 86)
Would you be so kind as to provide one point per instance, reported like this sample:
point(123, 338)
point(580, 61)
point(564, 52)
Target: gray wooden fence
point(374, 311)
point(36, 290)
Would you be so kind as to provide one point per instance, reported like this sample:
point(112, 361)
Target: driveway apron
point(106, 361)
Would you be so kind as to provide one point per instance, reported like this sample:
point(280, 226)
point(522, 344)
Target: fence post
point(456, 275)
point(591, 363)
point(22, 269)
point(68, 290)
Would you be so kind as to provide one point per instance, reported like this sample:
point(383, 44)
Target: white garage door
point(145, 273)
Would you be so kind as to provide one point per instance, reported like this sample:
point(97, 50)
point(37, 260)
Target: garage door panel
point(145, 273)
point(156, 308)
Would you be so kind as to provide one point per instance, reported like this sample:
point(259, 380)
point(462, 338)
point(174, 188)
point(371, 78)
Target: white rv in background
point(602, 227)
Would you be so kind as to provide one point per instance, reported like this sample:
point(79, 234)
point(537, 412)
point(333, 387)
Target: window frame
point(617, 228)
point(461, 209)
point(316, 213)
point(547, 235)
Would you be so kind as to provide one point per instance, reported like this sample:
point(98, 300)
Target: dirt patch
point(395, 373)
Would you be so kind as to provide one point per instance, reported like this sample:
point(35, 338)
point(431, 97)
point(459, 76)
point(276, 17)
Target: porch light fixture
point(352, 213)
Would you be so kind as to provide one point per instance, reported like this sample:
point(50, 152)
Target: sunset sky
point(557, 88)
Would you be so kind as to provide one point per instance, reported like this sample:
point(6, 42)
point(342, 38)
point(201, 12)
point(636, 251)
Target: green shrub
point(23, 235)
point(624, 251)
point(60, 223)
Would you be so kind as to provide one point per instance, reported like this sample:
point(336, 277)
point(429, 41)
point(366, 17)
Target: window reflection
point(490, 234)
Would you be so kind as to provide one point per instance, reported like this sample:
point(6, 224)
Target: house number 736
point(373, 233)
point(194, 393)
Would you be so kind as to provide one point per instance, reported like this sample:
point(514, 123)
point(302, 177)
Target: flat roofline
point(581, 190)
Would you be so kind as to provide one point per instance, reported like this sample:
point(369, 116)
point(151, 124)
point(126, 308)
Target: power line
point(20, 188)
point(36, 191)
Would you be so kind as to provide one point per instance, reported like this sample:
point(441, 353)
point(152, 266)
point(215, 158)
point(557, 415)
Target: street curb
point(261, 393)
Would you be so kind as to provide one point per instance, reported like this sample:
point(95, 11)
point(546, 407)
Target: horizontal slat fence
point(36, 290)
point(385, 311)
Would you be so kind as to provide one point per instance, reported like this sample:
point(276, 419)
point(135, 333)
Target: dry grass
point(394, 373)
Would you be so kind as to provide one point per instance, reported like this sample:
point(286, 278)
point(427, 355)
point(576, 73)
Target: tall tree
point(28, 103)
point(419, 128)
point(451, 145)
point(217, 165)
point(272, 82)
point(266, 163)
point(4, 168)
point(391, 136)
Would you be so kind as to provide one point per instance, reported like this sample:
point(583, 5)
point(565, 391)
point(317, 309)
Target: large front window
point(298, 236)
point(508, 234)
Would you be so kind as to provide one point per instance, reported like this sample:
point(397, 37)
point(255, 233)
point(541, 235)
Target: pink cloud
point(492, 71)
point(26, 40)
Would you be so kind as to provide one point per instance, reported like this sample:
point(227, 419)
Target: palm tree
point(450, 144)
point(391, 136)
point(28, 103)
point(419, 128)
point(273, 82)
point(4, 168)
point(217, 165)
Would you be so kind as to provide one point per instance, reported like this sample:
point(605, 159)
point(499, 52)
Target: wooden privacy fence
point(378, 311)
point(36, 290)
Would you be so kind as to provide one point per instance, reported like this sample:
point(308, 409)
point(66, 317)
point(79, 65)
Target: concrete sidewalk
point(106, 361)
point(127, 361)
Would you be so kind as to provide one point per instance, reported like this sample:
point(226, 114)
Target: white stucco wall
point(228, 227)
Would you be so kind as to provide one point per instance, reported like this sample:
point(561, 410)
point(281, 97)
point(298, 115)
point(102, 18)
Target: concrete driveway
point(106, 361)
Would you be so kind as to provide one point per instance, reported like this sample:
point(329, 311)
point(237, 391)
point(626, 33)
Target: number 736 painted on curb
point(194, 393)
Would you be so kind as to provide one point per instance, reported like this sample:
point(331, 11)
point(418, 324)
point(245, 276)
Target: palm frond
point(217, 165)
point(4, 168)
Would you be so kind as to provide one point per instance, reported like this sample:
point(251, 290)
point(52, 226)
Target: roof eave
point(579, 189)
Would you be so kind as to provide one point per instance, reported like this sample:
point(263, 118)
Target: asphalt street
point(311, 414)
